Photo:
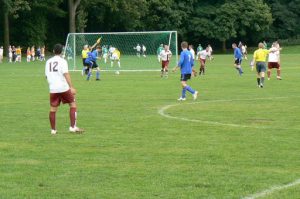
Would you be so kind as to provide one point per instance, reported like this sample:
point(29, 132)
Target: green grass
point(130, 151)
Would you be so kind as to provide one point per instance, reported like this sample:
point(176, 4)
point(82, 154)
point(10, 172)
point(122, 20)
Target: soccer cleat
point(53, 132)
point(261, 85)
point(75, 130)
point(269, 78)
point(195, 95)
point(279, 78)
point(181, 99)
point(97, 79)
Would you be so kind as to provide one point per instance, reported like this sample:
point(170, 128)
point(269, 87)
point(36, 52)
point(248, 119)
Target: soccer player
point(38, 53)
point(1, 54)
point(91, 60)
point(32, 53)
point(18, 54)
point(84, 55)
point(199, 48)
point(259, 59)
point(69, 52)
point(43, 54)
point(202, 55)
point(210, 51)
point(185, 64)
point(274, 60)
point(28, 54)
point(244, 52)
point(238, 57)
point(158, 51)
point(104, 53)
point(144, 50)
point(115, 57)
point(191, 49)
point(61, 89)
point(10, 54)
point(138, 50)
point(165, 56)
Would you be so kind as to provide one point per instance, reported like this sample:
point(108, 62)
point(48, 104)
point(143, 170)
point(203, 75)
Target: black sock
point(262, 80)
point(258, 81)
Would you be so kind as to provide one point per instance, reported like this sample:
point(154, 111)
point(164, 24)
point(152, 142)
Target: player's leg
point(90, 70)
point(54, 103)
point(119, 62)
point(186, 87)
point(97, 73)
point(158, 58)
point(278, 72)
point(183, 91)
point(84, 66)
point(258, 74)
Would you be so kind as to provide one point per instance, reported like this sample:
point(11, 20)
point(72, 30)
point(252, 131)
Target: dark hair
point(57, 49)
point(184, 44)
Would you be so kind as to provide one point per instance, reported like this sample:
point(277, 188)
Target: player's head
point(166, 47)
point(261, 45)
point(234, 45)
point(191, 47)
point(161, 45)
point(57, 49)
point(207, 49)
point(184, 45)
point(85, 47)
point(98, 48)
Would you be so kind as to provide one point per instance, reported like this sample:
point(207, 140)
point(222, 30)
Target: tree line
point(45, 22)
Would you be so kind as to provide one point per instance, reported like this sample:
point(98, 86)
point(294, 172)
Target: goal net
point(138, 50)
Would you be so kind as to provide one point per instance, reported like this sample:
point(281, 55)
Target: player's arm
point(179, 63)
point(68, 79)
point(97, 42)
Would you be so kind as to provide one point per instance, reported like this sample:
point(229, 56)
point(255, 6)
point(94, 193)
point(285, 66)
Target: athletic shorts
point(238, 61)
point(164, 64)
point(92, 64)
point(273, 65)
point(65, 97)
point(260, 67)
point(185, 77)
point(202, 61)
point(83, 62)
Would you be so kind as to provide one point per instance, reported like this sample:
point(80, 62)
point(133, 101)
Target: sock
point(188, 88)
point(240, 70)
point(52, 120)
point(258, 81)
point(105, 60)
point(262, 79)
point(183, 92)
point(73, 116)
point(83, 70)
point(203, 70)
point(89, 75)
point(278, 72)
point(119, 64)
point(269, 74)
point(98, 74)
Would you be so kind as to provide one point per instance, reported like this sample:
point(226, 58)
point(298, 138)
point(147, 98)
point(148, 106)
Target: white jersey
point(111, 50)
point(55, 69)
point(165, 55)
point(1, 52)
point(144, 48)
point(243, 49)
point(202, 54)
point(138, 48)
point(193, 53)
point(274, 56)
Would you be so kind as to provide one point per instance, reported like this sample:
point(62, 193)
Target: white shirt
point(55, 69)
point(202, 54)
point(138, 48)
point(243, 49)
point(274, 56)
point(193, 53)
point(165, 55)
point(144, 48)
point(1, 52)
point(111, 50)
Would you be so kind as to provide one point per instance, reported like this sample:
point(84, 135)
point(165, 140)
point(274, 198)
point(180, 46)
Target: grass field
point(236, 140)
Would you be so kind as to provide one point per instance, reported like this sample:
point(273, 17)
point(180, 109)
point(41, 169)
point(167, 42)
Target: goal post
point(126, 43)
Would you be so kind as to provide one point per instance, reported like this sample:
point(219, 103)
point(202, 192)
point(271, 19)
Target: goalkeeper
point(91, 61)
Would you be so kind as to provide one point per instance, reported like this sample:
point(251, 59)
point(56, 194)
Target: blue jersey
point(186, 62)
point(237, 53)
point(91, 56)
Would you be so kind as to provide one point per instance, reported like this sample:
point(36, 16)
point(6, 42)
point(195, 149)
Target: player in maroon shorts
point(61, 89)
point(274, 60)
point(165, 55)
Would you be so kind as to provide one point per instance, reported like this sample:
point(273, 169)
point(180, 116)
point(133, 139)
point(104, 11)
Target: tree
point(10, 9)
point(73, 5)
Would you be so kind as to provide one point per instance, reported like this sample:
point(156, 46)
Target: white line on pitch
point(163, 109)
point(273, 189)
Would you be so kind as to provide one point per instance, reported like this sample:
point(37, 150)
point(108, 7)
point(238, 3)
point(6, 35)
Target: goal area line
point(150, 70)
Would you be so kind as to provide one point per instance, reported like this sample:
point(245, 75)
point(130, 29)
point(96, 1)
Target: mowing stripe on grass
point(273, 189)
point(162, 111)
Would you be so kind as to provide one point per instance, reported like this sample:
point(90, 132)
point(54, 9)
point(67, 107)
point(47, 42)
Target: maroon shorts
point(65, 97)
point(164, 64)
point(273, 65)
point(202, 61)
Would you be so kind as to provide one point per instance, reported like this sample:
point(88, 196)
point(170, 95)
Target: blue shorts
point(261, 67)
point(238, 61)
point(185, 77)
point(92, 64)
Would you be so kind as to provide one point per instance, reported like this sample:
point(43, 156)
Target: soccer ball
point(117, 72)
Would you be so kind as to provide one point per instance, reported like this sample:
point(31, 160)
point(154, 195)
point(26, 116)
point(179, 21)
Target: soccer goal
point(138, 50)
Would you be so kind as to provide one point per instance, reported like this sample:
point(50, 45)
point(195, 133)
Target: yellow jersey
point(18, 51)
point(84, 54)
point(260, 55)
point(117, 53)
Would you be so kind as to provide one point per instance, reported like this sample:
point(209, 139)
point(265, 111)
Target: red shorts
point(65, 97)
point(273, 65)
point(202, 61)
point(164, 64)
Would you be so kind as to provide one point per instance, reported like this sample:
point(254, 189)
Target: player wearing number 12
point(61, 89)
point(185, 64)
